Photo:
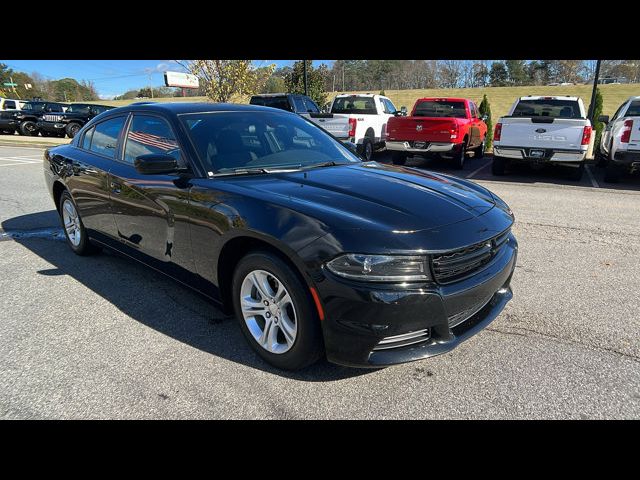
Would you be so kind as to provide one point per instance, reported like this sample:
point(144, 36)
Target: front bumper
point(429, 147)
point(53, 127)
point(549, 155)
point(437, 318)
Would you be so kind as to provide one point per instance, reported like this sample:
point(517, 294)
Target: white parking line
point(477, 170)
point(19, 160)
point(18, 164)
point(23, 148)
point(594, 182)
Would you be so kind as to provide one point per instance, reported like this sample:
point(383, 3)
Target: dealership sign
point(180, 79)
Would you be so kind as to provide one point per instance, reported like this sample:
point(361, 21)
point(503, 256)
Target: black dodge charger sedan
point(315, 251)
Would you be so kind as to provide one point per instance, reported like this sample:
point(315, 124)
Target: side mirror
point(403, 111)
point(155, 164)
point(484, 118)
point(603, 118)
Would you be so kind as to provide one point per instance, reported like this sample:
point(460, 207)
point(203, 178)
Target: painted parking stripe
point(18, 160)
point(594, 182)
point(478, 170)
point(17, 164)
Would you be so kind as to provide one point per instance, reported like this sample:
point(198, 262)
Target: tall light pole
point(592, 105)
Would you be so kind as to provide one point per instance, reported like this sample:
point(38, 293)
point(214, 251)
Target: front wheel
point(366, 149)
point(74, 230)
point(275, 311)
point(478, 152)
point(72, 129)
point(29, 128)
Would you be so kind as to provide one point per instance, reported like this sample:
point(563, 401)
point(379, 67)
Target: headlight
point(380, 268)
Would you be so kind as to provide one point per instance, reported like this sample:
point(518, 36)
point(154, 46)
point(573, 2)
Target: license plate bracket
point(419, 144)
point(536, 153)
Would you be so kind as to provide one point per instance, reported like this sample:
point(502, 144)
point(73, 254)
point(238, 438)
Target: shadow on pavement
point(158, 302)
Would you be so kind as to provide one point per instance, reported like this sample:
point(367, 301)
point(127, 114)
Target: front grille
point(403, 340)
point(457, 318)
point(458, 264)
point(52, 118)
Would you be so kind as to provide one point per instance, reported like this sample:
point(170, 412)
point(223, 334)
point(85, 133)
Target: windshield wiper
point(256, 170)
point(331, 163)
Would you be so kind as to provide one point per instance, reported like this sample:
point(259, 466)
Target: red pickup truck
point(449, 127)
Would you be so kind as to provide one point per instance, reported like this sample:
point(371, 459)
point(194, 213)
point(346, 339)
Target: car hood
point(372, 196)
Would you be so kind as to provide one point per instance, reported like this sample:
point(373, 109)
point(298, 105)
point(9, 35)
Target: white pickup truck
point(544, 130)
point(368, 115)
point(620, 143)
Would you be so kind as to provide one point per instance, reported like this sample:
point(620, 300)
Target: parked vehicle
point(368, 115)
point(25, 120)
point(447, 127)
point(69, 122)
point(544, 131)
point(302, 105)
point(11, 104)
point(264, 212)
point(620, 142)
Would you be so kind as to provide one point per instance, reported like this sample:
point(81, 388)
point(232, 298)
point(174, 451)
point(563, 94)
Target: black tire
point(399, 158)
point(577, 173)
point(307, 348)
point(84, 246)
point(458, 158)
point(498, 166)
point(612, 173)
point(28, 129)
point(478, 152)
point(72, 129)
point(366, 149)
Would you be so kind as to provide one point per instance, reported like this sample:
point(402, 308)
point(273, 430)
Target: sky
point(114, 77)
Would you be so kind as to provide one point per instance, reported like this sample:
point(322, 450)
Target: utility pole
point(151, 84)
point(592, 105)
point(304, 73)
point(343, 89)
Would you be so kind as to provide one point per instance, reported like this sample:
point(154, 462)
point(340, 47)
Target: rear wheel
point(458, 158)
point(29, 128)
point(366, 149)
point(276, 314)
point(612, 173)
point(478, 152)
point(399, 158)
point(74, 230)
point(498, 166)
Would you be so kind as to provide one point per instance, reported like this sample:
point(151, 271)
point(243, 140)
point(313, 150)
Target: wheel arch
point(58, 188)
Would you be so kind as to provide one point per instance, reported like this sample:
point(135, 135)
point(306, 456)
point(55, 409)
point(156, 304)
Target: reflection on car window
point(105, 136)
point(149, 134)
point(86, 140)
point(258, 139)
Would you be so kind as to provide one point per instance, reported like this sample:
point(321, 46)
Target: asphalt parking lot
point(101, 337)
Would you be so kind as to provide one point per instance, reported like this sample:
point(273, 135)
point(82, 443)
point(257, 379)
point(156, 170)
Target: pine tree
point(485, 109)
point(598, 126)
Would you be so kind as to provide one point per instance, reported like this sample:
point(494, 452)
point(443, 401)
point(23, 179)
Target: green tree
point(485, 109)
point(144, 93)
point(597, 126)
point(516, 72)
point(294, 81)
point(498, 75)
point(275, 84)
point(222, 79)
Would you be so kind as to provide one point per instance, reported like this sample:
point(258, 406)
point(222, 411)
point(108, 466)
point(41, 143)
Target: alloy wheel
point(71, 222)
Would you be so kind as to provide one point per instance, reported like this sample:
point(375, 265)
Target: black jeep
point(71, 121)
point(25, 121)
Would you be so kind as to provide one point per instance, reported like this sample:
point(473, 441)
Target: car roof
point(549, 97)
point(275, 94)
point(446, 99)
point(177, 108)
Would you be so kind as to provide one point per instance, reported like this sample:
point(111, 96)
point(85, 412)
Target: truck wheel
point(72, 129)
point(366, 149)
point(612, 173)
point(478, 152)
point(29, 128)
point(458, 158)
point(498, 166)
point(398, 158)
point(577, 173)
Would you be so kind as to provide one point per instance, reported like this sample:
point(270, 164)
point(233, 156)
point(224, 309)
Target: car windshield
point(36, 107)
point(275, 102)
point(440, 108)
point(354, 104)
point(543, 107)
point(228, 141)
point(78, 109)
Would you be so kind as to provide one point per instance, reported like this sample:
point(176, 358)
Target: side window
point(9, 105)
point(54, 108)
point(86, 140)
point(299, 104)
point(311, 106)
point(150, 134)
point(390, 106)
point(474, 110)
point(105, 136)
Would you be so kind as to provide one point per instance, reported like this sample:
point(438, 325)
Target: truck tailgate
point(336, 125)
point(634, 141)
point(420, 128)
point(554, 133)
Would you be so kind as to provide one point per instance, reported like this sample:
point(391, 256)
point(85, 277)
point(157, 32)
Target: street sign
point(9, 84)
point(180, 79)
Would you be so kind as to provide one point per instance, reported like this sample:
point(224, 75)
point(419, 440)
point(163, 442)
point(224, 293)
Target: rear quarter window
point(633, 110)
point(359, 105)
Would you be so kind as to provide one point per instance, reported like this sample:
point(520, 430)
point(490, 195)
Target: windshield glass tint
point(440, 109)
point(275, 102)
point(78, 109)
point(36, 107)
point(354, 104)
point(235, 140)
point(547, 108)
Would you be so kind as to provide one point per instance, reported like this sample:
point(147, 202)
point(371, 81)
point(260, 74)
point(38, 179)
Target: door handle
point(115, 187)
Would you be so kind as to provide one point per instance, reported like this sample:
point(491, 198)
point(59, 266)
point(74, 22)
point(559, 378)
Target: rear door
point(150, 211)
